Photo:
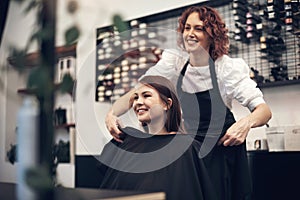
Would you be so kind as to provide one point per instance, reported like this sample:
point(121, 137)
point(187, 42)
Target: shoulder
point(225, 60)
point(174, 53)
point(174, 57)
point(228, 66)
point(172, 60)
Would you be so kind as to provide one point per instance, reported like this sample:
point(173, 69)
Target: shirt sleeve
point(239, 85)
point(168, 66)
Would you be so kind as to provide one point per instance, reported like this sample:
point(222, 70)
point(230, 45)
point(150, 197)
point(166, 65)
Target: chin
point(192, 49)
point(143, 120)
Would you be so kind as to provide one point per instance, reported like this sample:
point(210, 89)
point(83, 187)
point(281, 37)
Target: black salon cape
point(175, 167)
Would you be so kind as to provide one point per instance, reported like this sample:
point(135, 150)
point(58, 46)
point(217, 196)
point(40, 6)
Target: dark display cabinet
point(275, 175)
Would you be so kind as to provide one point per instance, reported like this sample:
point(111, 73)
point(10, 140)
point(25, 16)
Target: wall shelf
point(32, 59)
point(66, 126)
point(32, 91)
point(26, 91)
point(279, 83)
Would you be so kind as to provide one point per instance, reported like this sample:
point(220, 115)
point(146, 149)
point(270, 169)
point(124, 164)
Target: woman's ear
point(169, 103)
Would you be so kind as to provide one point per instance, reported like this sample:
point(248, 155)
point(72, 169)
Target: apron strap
point(180, 78)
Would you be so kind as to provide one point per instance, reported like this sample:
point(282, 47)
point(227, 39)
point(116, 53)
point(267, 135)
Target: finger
point(117, 139)
point(221, 141)
point(231, 142)
point(116, 130)
point(117, 133)
point(120, 124)
point(113, 126)
point(117, 136)
point(227, 143)
point(238, 142)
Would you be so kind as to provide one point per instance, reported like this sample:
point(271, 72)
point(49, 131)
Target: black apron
point(207, 117)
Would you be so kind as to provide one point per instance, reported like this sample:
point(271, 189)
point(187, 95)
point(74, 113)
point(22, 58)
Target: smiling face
point(195, 38)
point(148, 106)
point(156, 105)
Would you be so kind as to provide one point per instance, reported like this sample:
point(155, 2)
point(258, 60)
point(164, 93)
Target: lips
point(140, 111)
point(191, 41)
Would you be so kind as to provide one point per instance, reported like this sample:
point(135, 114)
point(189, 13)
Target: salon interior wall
point(284, 102)
point(91, 133)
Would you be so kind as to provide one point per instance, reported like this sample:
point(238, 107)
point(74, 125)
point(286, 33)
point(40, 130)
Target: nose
point(140, 100)
point(137, 102)
point(191, 33)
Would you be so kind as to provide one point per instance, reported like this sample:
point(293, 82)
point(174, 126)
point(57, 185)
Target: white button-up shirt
point(233, 76)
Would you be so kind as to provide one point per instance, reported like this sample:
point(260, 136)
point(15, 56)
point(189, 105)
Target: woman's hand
point(237, 133)
point(119, 107)
point(113, 123)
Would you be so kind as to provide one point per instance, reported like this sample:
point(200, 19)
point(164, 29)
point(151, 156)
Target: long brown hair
point(167, 90)
point(213, 25)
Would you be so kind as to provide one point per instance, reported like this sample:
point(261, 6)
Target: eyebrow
point(187, 24)
point(145, 92)
point(136, 94)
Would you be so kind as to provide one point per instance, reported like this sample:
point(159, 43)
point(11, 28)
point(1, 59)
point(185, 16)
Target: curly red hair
point(213, 25)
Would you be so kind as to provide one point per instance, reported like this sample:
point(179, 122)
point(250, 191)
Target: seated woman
point(163, 159)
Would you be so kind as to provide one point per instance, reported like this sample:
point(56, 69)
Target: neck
point(158, 132)
point(157, 127)
point(199, 58)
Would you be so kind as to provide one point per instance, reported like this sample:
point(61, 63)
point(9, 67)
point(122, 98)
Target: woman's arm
point(238, 85)
point(238, 132)
point(119, 107)
point(260, 115)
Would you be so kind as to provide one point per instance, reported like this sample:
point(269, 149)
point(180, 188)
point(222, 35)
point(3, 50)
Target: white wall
point(284, 102)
